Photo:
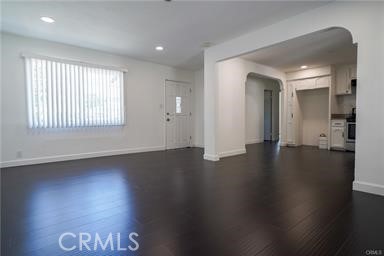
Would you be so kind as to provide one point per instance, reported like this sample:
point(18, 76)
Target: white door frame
point(165, 108)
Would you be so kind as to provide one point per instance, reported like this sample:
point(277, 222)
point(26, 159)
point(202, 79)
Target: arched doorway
point(262, 109)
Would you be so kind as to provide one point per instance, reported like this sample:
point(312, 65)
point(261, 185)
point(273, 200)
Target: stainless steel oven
point(351, 135)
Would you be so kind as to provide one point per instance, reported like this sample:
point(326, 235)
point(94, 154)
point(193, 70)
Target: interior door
point(267, 114)
point(178, 115)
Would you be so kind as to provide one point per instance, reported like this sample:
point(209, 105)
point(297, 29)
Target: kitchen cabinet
point(313, 83)
point(323, 82)
point(344, 75)
point(337, 137)
point(305, 84)
point(337, 134)
point(353, 71)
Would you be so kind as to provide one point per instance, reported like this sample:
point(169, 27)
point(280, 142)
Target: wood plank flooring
point(270, 201)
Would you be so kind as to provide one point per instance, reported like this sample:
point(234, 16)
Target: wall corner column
point(210, 109)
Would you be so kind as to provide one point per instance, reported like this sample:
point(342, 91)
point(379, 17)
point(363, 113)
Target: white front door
point(178, 115)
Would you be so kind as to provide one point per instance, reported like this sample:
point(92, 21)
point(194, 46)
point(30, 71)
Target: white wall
point(198, 136)
point(232, 76)
point(254, 108)
point(313, 106)
point(144, 87)
point(365, 21)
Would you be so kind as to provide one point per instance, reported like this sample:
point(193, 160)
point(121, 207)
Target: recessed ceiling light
point(47, 19)
point(303, 67)
point(159, 48)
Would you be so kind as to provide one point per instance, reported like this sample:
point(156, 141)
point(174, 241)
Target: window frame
point(78, 63)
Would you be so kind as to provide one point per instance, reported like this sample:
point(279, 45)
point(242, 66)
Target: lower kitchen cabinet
point(337, 134)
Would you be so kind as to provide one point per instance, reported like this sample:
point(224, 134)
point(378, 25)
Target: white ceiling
point(135, 28)
point(332, 46)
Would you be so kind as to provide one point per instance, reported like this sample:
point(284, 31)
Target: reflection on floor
point(270, 201)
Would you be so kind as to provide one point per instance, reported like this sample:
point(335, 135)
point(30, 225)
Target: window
point(67, 94)
point(178, 104)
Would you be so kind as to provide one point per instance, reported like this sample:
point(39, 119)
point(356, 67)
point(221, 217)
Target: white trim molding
point(210, 157)
point(254, 141)
point(233, 152)
point(368, 188)
point(59, 158)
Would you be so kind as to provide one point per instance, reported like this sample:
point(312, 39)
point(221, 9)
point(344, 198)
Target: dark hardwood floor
point(271, 201)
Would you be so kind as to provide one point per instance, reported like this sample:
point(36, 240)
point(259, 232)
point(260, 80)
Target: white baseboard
point(211, 157)
point(49, 159)
point(253, 141)
point(233, 152)
point(368, 187)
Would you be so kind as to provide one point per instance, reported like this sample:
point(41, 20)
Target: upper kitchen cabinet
point(353, 71)
point(313, 83)
point(323, 82)
point(344, 75)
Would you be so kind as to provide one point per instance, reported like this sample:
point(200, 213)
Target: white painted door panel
point(178, 115)
point(170, 111)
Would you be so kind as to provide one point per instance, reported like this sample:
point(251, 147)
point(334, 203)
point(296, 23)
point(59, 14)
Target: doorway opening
point(178, 115)
point(262, 109)
point(320, 87)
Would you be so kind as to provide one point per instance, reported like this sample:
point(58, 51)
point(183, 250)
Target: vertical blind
point(65, 95)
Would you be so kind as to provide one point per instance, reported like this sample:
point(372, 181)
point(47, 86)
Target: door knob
point(167, 114)
point(168, 119)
